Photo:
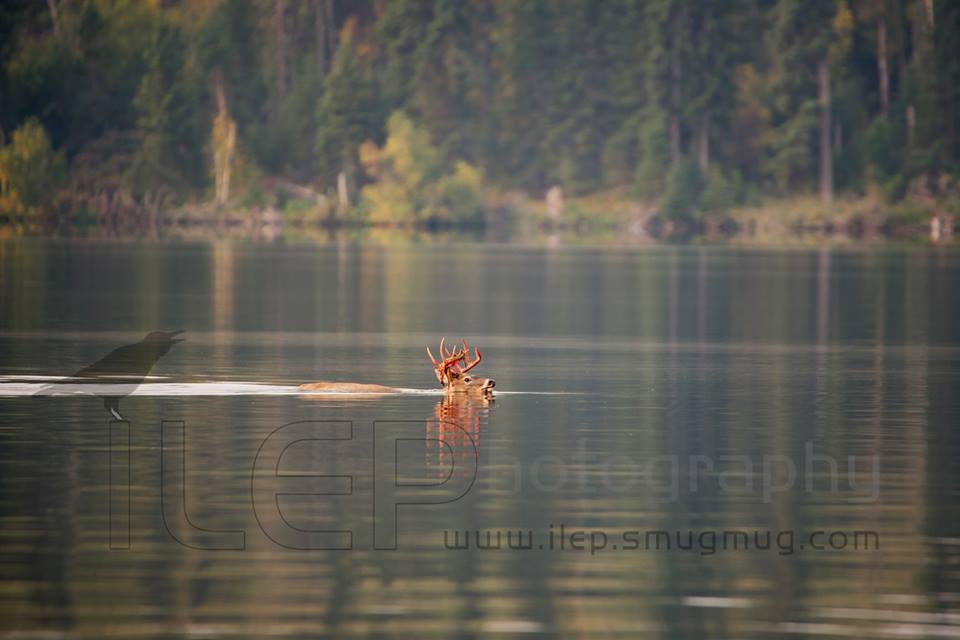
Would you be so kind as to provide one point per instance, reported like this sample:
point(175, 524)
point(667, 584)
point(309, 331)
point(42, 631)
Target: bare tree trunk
point(321, 33)
point(324, 28)
point(675, 77)
point(280, 53)
point(826, 153)
point(674, 136)
point(882, 70)
point(224, 141)
point(343, 197)
point(54, 16)
point(703, 147)
point(331, 24)
point(911, 124)
point(899, 21)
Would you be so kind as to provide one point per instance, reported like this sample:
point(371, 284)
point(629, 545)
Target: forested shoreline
point(120, 112)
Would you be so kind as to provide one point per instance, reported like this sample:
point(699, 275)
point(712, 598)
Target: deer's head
point(452, 367)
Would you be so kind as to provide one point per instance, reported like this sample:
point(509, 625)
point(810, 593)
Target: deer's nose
point(490, 383)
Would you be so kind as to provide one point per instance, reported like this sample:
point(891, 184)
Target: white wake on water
point(44, 386)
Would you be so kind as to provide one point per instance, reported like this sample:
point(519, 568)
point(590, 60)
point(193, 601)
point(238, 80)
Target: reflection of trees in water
point(523, 580)
point(942, 471)
point(797, 379)
point(458, 420)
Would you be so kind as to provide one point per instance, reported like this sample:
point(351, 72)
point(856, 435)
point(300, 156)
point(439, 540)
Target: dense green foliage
point(30, 170)
point(698, 103)
point(410, 181)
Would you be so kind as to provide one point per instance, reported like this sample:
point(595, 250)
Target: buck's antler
point(452, 367)
point(453, 361)
point(466, 352)
point(448, 361)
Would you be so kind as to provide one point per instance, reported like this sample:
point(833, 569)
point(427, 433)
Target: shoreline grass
point(611, 216)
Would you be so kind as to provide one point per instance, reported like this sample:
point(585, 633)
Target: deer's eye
point(467, 378)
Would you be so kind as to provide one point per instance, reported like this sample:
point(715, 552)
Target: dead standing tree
point(224, 143)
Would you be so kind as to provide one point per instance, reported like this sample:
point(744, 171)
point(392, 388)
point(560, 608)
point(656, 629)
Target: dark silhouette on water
point(127, 365)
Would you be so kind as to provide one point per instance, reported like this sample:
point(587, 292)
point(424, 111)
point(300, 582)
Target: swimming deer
point(451, 371)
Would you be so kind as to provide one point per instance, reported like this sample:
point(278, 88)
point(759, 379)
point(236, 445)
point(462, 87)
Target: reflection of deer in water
point(456, 422)
point(451, 371)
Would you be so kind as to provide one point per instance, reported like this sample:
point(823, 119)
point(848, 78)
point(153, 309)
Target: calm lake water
point(646, 398)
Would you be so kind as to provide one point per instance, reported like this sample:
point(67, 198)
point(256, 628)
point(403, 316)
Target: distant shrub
point(882, 149)
point(409, 179)
point(654, 156)
point(460, 195)
point(895, 188)
point(31, 172)
point(619, 155)
point(684, 185)
point(721, 191)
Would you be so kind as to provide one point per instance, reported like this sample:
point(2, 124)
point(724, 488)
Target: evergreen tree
point(348, 112)
point(451, 78)
point(526, 53)
point(809, 39)
point(741, 97)
point(665, 35)
point(170, 130)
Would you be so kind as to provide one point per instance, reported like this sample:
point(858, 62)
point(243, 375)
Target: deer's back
point(346, 387)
